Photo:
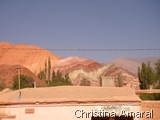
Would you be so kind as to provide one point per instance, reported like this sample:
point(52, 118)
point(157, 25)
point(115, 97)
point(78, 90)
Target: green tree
point(53, 75)
point(67, 80)
point(45, 69)
point(146, 76)
point(157, 69)
point(120, 81)
point(49, 68)
point(157, 64)
point(56, 78)
point(41, 75)
point(149, 76)
point(59, 76)
point(59, 80)
point(25, 82)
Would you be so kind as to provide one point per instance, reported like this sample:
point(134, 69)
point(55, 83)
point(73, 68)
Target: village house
point(69, 103)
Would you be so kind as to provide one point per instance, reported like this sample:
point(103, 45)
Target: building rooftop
point(68, 94)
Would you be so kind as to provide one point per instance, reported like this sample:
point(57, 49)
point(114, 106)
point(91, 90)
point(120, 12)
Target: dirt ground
point(155, 106)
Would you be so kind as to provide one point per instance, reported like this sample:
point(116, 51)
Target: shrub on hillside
point(25, 82)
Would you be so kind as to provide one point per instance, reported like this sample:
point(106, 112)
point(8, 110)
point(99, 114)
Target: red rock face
point(31, 57)
point(4, 45)
point(88, 72)
point(70, 64)
point(8, 72)
point(129, 79)
point(81, 71)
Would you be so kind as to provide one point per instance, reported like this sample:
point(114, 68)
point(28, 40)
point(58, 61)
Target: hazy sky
point(91, 24)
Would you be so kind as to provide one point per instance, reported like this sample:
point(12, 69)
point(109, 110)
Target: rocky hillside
point(70, 64)
point(88, 72)
point(81, 71)
point(131, 64)
point(31, 57)
point(8, 72)
point(129, 79)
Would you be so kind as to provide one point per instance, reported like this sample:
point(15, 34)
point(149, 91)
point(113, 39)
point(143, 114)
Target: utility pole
point(19, 81)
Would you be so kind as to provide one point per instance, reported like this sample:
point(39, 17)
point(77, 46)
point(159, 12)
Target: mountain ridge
point(132, 64)
point(81, 71)
point(89, 72)
point(32, 57)
point(8, 72)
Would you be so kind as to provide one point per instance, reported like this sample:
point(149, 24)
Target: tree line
point(53, 78)
point(149, 78)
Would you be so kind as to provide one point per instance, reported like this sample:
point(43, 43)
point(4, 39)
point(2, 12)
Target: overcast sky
point(90, 24)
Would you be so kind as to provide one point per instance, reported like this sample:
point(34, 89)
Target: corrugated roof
point(69, 94)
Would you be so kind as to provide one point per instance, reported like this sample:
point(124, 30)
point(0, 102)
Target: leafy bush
point(149, 76)
point(85, 82)
point(152, 96)
point(59, 80)
point(25, 82)
point(41, 75)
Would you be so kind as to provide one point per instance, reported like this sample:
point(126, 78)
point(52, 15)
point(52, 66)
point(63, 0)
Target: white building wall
point(57, 112)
